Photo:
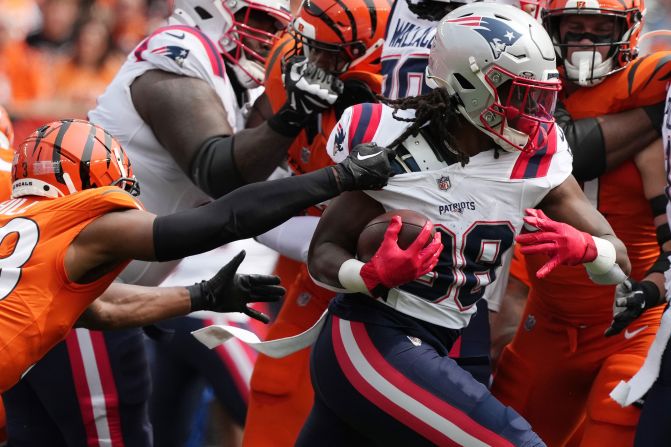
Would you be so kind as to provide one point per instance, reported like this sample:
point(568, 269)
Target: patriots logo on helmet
point(495, 31)
point(339, 139)
point(178, 54)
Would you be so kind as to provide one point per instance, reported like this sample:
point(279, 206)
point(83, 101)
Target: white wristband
point(613, 276)
point(349, 276)
point(605, 258)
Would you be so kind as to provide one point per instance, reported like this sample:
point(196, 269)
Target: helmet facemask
point(248, 63)
point(520, 116)
point(233, 25)
point(588, 58)
point(333, 58)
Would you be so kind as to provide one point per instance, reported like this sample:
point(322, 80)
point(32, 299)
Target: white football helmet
point(502, 74)
point(217, 20)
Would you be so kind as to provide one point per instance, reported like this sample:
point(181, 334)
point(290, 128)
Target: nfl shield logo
point(444, 183)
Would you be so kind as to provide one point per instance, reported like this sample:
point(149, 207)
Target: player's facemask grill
point(336, 58)
point(522, 111)
point(128, 184)
point(587, 66)
point(241, 32)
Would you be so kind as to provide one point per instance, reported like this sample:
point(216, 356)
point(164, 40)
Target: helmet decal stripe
point(319, 13)
point(56, 156)
point(277, 52)
point(661, 63)
point(352, 20)
point(85, 160)
point(372, 11)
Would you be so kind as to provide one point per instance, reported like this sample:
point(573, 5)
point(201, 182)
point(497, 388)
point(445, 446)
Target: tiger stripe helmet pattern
point(68, 156)
point(350, 29)
point(623, 47)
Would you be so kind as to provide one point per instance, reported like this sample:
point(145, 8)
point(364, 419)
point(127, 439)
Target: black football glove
point(228, 292)
point(310, 90)
point(632, 298)
point(366, 167)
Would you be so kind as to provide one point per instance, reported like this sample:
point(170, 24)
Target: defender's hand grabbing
point(310, 90)
point(366, 167)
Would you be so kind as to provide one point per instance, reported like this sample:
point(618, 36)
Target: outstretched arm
point(124, 305)
point(246, 212)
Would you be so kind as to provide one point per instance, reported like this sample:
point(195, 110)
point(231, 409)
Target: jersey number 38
point(467, 264)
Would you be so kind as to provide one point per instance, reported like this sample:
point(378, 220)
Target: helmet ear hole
point(463, 82)
point(202, 12)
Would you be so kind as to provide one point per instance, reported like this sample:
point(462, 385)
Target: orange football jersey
point(38, 303)
point(617, 194)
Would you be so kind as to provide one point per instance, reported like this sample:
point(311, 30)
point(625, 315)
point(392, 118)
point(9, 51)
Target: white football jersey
point(164, 187)
point(478, 208)
point(405, 53)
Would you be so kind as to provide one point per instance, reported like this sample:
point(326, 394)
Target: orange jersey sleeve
point(643, 82)
point(618, 194)
point(38, 303)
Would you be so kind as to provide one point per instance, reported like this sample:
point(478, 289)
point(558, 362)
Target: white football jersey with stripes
point(165, 188)
point(478, 208)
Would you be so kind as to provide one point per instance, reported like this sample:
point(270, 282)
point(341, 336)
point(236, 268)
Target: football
point(373, 233)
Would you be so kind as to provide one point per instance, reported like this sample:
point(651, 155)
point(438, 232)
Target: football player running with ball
point(380, 368)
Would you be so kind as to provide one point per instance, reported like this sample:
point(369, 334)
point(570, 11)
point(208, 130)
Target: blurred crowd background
point(57, 56)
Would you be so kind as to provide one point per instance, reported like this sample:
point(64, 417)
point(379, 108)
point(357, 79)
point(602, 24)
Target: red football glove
point(391, 266)
point(564, 244)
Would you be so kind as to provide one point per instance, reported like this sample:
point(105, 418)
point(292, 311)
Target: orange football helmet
point(587, 66)
point(349, 31)
point(68, 156)
point(6, 131)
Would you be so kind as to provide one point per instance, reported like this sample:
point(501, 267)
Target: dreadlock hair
point(434, 108)
point(429, 9)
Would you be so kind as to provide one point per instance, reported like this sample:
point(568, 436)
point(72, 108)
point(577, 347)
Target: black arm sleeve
point(246, 212)
point(585, 139)
point(213, 168)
